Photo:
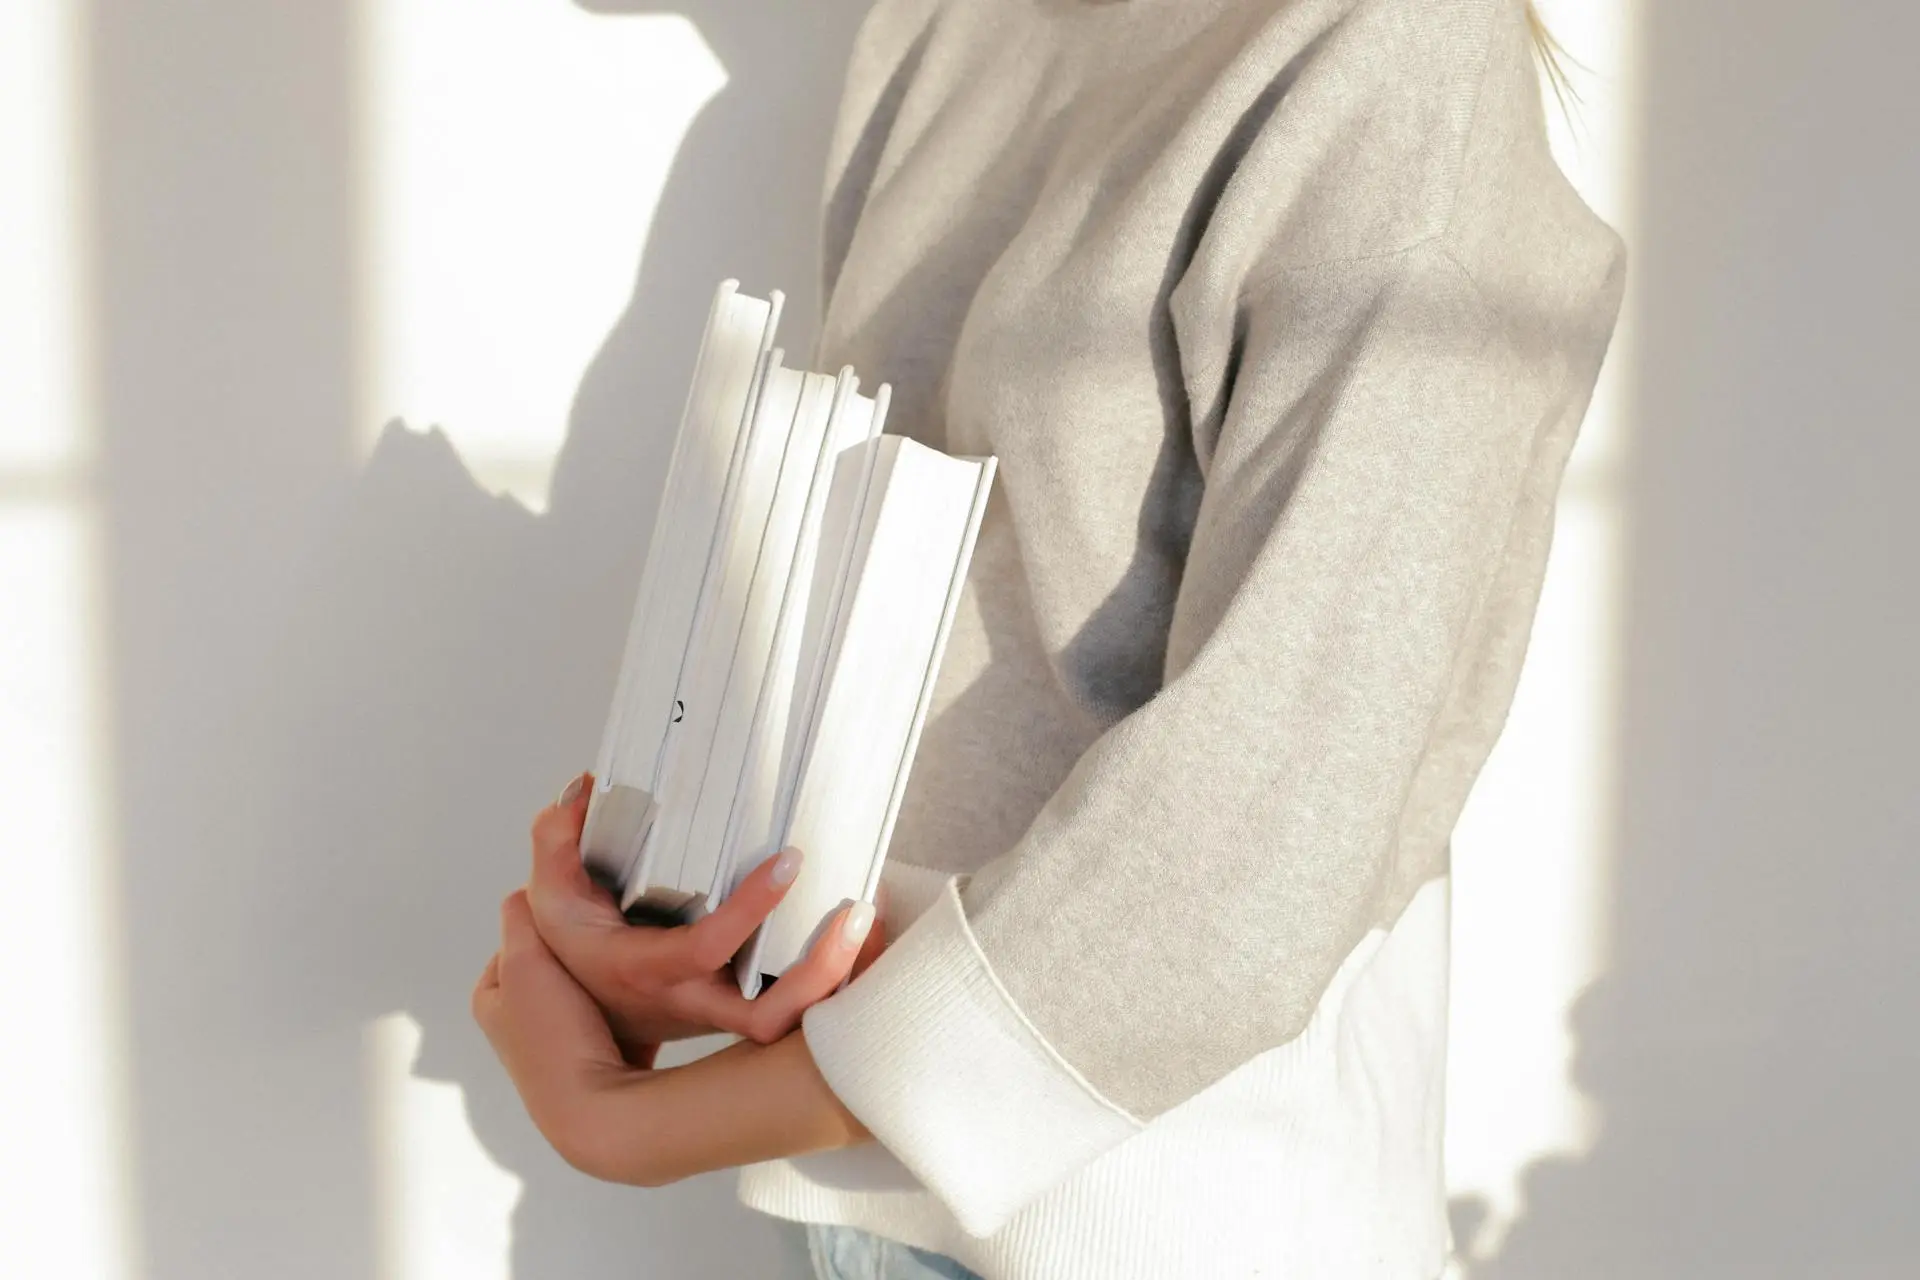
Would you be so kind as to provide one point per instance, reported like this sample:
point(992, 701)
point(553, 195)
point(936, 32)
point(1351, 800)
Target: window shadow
point(339, 693)
point(1749, 1050)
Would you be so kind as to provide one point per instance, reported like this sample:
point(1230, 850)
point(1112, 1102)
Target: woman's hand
point(614, 1120)
point(548, 1033)
point(659, 984)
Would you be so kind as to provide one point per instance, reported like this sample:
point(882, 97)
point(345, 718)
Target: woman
point(1281, 321)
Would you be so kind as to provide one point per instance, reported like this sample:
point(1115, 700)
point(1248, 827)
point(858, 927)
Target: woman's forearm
point(747, 1103)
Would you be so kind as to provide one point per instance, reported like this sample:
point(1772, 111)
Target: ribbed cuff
point(933, 1056)
point(910, 890)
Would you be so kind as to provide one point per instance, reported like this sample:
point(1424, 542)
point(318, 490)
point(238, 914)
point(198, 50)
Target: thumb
point(557, 869)
point(876, 939)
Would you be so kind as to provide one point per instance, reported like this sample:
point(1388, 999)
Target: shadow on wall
point(341, 693)
point(1752, 1051)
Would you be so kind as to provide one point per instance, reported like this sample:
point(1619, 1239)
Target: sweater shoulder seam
point(1451, 203)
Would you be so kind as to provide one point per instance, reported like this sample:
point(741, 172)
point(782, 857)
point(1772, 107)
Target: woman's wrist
point(745, 1104)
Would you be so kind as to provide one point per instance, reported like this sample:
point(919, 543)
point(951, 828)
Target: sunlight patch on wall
point(443, 1208)
point(64, 1156)
point(39, 184)
point(1531, 881)
point(65, 1136)
point(515, 154)
point(1533, 850)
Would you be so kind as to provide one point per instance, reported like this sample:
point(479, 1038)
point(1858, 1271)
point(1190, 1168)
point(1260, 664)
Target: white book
point(802, 403)
point(872, 670)
point(790, 622)
point(646, 713)
point(674, 857)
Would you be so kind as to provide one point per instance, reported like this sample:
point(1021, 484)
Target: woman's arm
point(658, 984)
point(749, 1102)
point(1379, 470)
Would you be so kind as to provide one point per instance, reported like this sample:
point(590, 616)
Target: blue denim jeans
point(843, 1253)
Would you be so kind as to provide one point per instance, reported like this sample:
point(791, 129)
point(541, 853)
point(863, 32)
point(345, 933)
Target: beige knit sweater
point(1281, 321)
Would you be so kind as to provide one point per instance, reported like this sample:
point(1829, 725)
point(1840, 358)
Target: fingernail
point(786, 867)
point(853, 930)
point(573, 790)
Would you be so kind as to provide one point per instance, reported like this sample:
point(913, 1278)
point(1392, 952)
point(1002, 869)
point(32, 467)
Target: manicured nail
point(853, 930)
point(573, 790)
point(786, 867)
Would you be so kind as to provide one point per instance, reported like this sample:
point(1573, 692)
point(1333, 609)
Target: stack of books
point(797, 596)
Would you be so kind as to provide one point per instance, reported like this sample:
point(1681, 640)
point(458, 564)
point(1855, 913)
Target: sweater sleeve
point(1384, 464)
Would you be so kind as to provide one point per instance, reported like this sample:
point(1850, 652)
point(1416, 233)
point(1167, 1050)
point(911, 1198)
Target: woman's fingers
point(551, 1008)
point(518, 937)
point(876, 939)
point(711, 941)
point(486, 994)
point(716, 1003)
point(633, 969)
point(562, 893)
point(524, 954)
point(556, 835)
point(512, 960)
point(777, 1010)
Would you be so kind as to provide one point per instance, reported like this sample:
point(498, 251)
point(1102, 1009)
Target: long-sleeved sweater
point(1281, 321)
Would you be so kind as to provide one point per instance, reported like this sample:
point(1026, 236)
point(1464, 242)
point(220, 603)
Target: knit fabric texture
point(1281, 321)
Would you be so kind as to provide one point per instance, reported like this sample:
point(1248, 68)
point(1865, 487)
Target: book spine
point(816, 678)
point(667, 851)
point(729, 493)
point(621, 714)
point(717, 879)
point(956, 586)
point(789, 614)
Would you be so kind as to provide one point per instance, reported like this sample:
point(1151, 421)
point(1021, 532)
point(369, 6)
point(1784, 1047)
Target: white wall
point(336, 675)
point(281, 681)
point(1745, 1056)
